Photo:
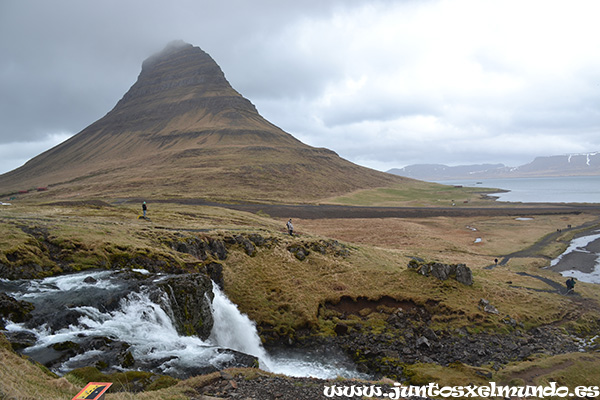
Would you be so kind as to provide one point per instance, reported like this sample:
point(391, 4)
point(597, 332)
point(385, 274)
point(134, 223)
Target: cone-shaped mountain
point(182, 131)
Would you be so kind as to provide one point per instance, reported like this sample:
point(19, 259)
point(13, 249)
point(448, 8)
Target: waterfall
point(145, 329)
point(234, 330)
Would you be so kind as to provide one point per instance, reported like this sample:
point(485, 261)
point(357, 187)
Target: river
point(148, 329)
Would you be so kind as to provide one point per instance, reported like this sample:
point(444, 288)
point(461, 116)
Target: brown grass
point(442, 238)
point(283, 294)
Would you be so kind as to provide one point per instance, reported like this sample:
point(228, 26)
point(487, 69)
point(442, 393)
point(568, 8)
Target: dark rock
point(24, 271)
point(190, 297)
point(430, 334)
point(257, 239)
point(341, 329)
point(218, 249)
point(422, 342)
point(464, 274)
point(14, 310)
point(299, 252)
point(441, 271)
point(319, 248)
point(460, 272)
point(247, 245)
point(192, 245)
point(20, 339)
point(67, 346)
point(114, 354)
point(215, 272)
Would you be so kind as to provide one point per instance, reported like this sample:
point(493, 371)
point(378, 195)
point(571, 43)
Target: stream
point(111, 317)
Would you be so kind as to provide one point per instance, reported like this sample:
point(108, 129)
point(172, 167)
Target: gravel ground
point(267, 387)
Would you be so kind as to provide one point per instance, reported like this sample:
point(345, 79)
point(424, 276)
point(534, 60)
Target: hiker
point(570, 284)
point(290, 227)
point(144, 209)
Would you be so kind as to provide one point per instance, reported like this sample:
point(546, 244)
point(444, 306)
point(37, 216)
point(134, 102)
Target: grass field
point(283, 294)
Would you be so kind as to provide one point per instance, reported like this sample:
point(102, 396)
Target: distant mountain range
point(562, 165)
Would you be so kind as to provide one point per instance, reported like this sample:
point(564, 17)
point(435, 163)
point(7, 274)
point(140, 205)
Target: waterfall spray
point(145, 328)
point(234, 330)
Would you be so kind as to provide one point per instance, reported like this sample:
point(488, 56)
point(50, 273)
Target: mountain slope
point(183, 131)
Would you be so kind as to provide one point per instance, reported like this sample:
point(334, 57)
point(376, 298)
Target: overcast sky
point(385, 83)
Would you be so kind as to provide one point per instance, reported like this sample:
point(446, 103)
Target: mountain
point(443, 172)
point(182, 131)
point(561, 165)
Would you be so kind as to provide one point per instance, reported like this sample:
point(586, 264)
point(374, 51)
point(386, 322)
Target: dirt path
point(320, 211)
point(537, 249)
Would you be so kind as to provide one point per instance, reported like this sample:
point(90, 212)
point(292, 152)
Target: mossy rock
point(190, 297)
point(129, 381)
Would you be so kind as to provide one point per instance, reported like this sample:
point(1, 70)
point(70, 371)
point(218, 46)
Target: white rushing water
point(236, 331)
point(154, 340)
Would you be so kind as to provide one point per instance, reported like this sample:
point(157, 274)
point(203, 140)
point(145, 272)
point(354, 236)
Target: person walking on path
point(570, 285)
point(290, 227)
point(144, 208)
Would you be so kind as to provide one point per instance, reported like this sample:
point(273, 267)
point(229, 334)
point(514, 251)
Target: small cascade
point(139, 329)
point(234, 330)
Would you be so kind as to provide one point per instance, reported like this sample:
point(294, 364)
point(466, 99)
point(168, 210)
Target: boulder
point(464, 274)
point(422, 341)
point(460, 272)
point(248, 246)
point(341, 329)
point(442, 271)
point(13, 309)
point(189, 303)
point(20, 339)
point(487, 307)
point(299, 252)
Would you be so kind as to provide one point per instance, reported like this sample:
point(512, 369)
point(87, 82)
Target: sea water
point(572, 189)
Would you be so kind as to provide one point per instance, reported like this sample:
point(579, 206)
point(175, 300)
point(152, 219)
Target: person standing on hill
point(290, 227)
point(144, 208)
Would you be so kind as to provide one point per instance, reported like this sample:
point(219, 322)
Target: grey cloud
point(66, 63)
